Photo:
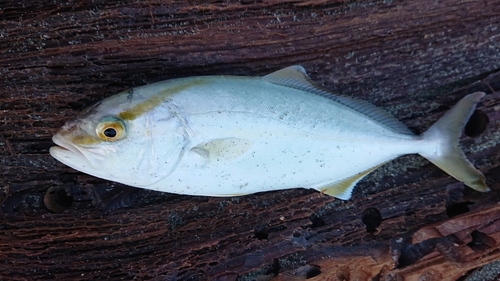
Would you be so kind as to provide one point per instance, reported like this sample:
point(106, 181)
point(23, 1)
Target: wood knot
point(430, 275)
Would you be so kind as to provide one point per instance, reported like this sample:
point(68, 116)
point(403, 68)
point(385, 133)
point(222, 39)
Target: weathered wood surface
point(413, 58)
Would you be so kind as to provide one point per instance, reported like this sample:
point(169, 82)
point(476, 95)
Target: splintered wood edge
point(443, 264)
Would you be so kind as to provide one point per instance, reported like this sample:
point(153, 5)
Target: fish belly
point(280, 164)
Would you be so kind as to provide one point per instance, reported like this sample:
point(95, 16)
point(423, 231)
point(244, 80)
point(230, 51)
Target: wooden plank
point(412, 58)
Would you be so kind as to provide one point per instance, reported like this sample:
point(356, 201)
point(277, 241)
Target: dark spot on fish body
point(130, 94)
point(477, 124)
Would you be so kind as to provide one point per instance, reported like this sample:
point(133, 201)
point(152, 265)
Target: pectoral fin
point(219, 151)
point(342, 189)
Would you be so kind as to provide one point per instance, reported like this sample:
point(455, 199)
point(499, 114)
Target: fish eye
point(110, 129)
point(110, 132)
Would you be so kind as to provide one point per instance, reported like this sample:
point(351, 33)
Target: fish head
point(109, 142)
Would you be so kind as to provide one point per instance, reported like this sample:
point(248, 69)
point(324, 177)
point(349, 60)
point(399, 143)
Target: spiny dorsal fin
point(296, 77)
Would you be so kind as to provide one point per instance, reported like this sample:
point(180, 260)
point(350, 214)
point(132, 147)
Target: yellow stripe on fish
point(155, 100)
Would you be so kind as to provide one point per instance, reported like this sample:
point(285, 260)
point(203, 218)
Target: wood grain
point(412, 58)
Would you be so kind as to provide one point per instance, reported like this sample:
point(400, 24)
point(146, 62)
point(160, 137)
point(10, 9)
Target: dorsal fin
point(296, 77)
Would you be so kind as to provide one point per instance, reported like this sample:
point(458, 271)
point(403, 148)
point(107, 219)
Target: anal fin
point(342, 189)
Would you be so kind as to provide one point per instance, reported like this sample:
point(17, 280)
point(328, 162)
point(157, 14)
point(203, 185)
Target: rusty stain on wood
point(406, 221)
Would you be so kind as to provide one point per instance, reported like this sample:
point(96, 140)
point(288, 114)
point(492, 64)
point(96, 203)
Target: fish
point(238, 135)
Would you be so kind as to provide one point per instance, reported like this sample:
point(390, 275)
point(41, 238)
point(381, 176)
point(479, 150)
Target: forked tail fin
point(446, 133)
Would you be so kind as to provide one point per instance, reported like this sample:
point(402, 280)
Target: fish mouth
point(68, 154)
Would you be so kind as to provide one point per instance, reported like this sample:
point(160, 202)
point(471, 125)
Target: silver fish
point(231, 135)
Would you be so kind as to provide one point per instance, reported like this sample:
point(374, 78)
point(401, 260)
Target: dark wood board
point(415, 59)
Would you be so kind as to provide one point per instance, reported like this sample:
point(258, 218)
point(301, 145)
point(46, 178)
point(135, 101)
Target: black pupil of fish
point(110, 133)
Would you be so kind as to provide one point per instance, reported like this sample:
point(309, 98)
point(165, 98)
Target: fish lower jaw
point(68, 154)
